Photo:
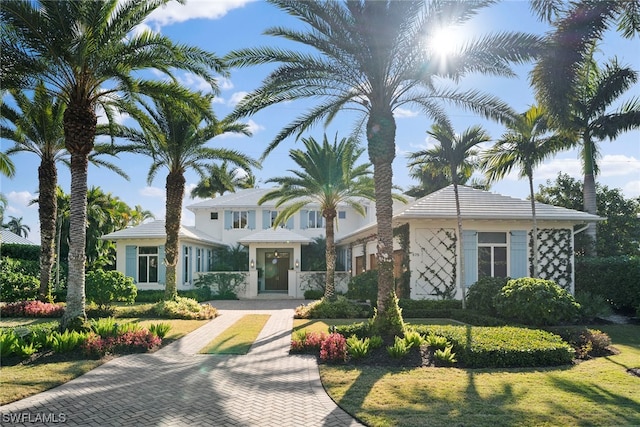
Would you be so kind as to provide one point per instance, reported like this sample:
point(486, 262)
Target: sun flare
point(446, 41)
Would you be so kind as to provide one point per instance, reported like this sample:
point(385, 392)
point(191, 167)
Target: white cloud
point(403, 113)
point(254, 127)
point(141, 28)
point(550, 170)
point(119, 118)
point(224, 83)
point(152, 192)
point(193, 9)
point(619, 165)
point(22, 199)
point(632, 189)
point(236, 98)
point(195, 82)
point(218, 100)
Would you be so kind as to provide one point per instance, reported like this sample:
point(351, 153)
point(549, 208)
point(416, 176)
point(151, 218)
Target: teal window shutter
point(304, 219)
point(289, 225)
point(518, 252)
point(130, 268)
point(252, 220)
point(227, 220)
point(266, 219)
point(470, 250)
point(162, 268)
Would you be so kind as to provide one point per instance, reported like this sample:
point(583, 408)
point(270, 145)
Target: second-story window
point(273, 215)
point(240, 219)
point(315, 220)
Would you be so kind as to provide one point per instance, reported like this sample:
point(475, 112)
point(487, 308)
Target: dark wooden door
point(276, 272)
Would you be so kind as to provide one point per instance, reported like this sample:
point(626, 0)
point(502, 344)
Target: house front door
point(276, 271)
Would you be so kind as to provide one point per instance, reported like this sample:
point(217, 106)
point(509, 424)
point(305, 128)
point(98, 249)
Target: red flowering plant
point(31, 309)
point(307, 342)
point(334, 348)
point(128, 342)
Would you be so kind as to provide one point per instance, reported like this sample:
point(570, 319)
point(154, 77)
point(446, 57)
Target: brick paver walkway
point(175, 386)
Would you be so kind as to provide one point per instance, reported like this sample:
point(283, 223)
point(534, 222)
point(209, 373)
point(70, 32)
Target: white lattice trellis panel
point(433, 261)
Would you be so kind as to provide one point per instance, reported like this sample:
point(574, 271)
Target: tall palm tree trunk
point(330, 254)
point(589, 194)
point(381, 131)
point(534, 271)
point(175, 192)
point(460, 239)
point(79, 131)
point(47, 208)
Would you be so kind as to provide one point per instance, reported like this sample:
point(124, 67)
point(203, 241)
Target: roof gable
point(10, 237)
point(156, 230)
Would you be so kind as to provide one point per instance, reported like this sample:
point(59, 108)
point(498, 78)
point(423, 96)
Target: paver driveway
point(177, 387)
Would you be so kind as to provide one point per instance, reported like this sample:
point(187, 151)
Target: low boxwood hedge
point(503, 347)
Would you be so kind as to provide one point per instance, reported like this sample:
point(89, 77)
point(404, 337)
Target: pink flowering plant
point(307, 342)
point(333, 348)
point(138, 341)
point(32, 309)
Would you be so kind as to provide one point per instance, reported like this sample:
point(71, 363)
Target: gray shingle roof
point(479, 204)
point(7, 236)
point(279, 235)
point(155, 230)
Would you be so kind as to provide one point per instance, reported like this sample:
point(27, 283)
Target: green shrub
point(313, 294)
point(18, 286)
point(536, 302)
point(375, 341)
point(436, 342)
point(160, 329)
point(340, 308)
point(104, 327)
point(445, 356)
point(481, 295)
point(21, 252)
point(150, 295)
point(105, 287)
point(96, 312)
point(399, 349)
point(586, 342)
point(425, 308)
point(502, 347)
point(184, 308)
point(473, 318)
point(616, 279)
point(357, 348)
point(221, 285)
point(66, 341)
point(413, 339)
point(364, 287)
point(391, 323)
point(25, 350)
point(360, 329)
point(8, 343)
point(592, 306)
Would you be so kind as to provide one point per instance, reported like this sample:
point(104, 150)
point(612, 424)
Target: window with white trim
point(199, 260)
point(148, 264)
point(272, 219)
point(186, 276)
point(315, 220)
point(239, 219)
point(492, 254)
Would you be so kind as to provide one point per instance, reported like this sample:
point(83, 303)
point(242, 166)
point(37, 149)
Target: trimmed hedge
point(23, 252)
point(616, 279)
point(503, 347)
point(482, 294)
point(364, 287)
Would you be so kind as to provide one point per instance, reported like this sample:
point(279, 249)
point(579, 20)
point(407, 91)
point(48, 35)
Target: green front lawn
point(594, 392)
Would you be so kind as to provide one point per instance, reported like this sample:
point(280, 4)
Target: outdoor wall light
point(252, 264)
point(275, 254)
point(297, 264)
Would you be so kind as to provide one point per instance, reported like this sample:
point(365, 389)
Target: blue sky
point(222, 25)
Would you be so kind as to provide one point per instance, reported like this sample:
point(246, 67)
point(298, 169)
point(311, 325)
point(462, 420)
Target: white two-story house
point(497, 241)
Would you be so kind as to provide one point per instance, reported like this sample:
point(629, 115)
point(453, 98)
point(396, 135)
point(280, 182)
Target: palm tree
point(89, 56)
point(456, 153)
point(328, 176)
point(527, 143)
point(172, 135)
point(6, 165)
point(36, 126)
point(219, 180)
point(16, 226)
point(3, 206)
point(373, 57)
point(577, 28)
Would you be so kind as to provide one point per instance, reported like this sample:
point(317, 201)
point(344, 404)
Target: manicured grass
point(239, 337)
point(20, 381)
point(594, 392)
